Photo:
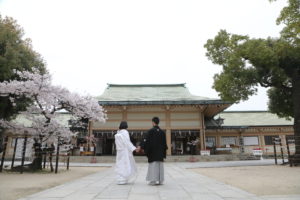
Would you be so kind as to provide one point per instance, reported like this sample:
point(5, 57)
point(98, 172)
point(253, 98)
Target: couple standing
point(154, 145)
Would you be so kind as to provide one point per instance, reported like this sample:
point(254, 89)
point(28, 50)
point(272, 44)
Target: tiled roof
point(152, 94)
point(253, 118)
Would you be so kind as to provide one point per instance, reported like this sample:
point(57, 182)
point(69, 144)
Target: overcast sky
point(88, 44)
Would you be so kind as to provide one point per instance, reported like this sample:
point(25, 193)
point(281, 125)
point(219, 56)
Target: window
point(229, 141)
point(269, 139)
point(210, 141)
point(290, 139)
point(251, 140)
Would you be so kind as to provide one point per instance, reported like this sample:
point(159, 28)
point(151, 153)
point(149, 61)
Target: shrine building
point(185, 118)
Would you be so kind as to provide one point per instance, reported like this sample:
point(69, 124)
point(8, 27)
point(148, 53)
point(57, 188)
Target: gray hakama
point(155, 172)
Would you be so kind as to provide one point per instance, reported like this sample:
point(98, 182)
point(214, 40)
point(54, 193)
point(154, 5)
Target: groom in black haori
point(155, 147)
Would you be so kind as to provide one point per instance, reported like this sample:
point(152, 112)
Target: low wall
point(143, 159)
point(140, 159)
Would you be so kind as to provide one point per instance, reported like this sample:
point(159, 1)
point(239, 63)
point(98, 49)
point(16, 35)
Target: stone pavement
point(180, 183)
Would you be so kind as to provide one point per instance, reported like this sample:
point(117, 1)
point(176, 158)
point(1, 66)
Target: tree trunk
point(38, 160)
point(296, 104)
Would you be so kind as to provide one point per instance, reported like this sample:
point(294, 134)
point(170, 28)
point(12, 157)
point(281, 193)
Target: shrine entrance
point(185, 142)
point(105, 142)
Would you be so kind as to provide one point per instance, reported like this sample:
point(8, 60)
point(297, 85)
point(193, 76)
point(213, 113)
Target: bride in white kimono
point(125, 163)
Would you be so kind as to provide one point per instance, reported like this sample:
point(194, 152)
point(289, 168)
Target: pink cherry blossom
point(48, 101)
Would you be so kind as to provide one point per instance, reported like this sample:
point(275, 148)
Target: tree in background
point(16, 53)
point(43, 114)
point(273, 63)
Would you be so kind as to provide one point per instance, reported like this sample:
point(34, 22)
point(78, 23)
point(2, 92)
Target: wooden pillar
point(282, 137)
point(124, 113)
point(261, 141)
point(204, 140)
point(90, 129)
point(168, 130)
point(169, 143)
point(218, 140)
point(202, 132)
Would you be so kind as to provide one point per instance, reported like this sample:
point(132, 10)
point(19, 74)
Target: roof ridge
point(146, 85)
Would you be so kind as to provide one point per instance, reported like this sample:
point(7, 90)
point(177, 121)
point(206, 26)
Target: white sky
point(88, 44)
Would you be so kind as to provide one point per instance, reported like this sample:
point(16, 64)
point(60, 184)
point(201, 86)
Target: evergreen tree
point(273, 63)
point(16, 53)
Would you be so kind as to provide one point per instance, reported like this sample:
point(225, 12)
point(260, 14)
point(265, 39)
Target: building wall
point(259, 132)
point(189, 118)
point(139, 118)
point(185, 118)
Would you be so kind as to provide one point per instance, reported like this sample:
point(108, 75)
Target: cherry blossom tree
point(43, 113)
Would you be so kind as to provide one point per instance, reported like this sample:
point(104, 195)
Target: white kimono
point(125, 164)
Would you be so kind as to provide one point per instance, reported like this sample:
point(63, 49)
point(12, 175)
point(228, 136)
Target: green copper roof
point(253, 118)
point(151, 94)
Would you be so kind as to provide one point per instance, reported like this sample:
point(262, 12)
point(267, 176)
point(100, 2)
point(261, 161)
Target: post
point(288, 147)
point(23, 154)
point(3, 154)
point(281, 149)
point(288, 151)
point(275, 155)
point(68, 160)
point(45, 157)
point(57, 156)
point(14, 154)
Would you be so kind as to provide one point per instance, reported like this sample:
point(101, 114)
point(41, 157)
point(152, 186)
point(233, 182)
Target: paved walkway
point(180, 184)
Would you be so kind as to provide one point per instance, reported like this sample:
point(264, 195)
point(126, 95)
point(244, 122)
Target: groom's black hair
point(155, 120)
point(123, 125)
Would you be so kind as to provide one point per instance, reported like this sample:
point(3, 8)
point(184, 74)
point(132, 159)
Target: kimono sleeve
point(147, 142)
point(128, 144)
point(143, 142)
point(165, 144)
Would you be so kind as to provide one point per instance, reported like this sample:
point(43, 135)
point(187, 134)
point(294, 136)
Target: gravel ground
point(15, 185)
point(260, 180)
